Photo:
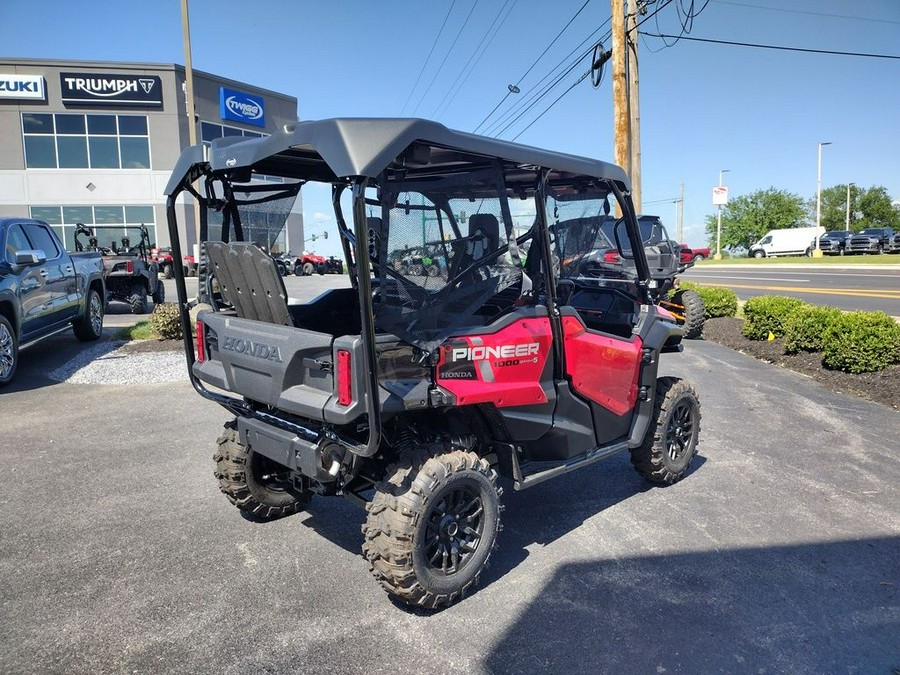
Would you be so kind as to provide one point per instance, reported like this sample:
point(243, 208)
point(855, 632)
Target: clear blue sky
point(704, 107)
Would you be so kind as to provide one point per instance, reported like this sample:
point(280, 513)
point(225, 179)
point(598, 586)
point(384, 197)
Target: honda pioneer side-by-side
point(414, 394)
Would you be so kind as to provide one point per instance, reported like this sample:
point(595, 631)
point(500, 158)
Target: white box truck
point(793, 241)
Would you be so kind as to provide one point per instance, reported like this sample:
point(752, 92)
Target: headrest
point(485, 225)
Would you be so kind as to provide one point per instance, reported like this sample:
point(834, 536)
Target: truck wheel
point(692, 310)
point(698, 257)
point(168, 272)
point(432, 526)
point(9, 351)
point(255, 484)
point(671, 440)
point(759, 254)
point(138, 299)
point(159, 295)
point(90, 326)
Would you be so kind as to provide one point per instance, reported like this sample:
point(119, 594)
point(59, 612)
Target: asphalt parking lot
point(780, 552)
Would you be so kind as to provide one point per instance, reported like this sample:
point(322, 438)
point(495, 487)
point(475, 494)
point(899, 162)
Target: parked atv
point(334, 265)
point(130, 274)
point(164, 260)
point(308, 263)
point(409, 394)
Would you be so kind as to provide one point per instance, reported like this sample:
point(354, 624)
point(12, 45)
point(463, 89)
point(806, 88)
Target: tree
point(747, 218)
point(868, 208)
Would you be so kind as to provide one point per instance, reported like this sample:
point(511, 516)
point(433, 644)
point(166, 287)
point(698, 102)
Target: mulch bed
point(882, 387)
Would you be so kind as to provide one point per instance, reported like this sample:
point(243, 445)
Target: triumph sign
point(103, 89)
point(241, 107)
point(22, 87)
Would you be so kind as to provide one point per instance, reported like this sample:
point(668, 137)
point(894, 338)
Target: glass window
point(40, 152)
point(231, 131)
point(104, 152)
point(106, 215)
point(139, 214)
point(70, 124)
point(49, 214)
point(210, 131)
point(72, 152)
point(41, 240)
point(73, 215)
point(252, 134)
point(135, 152)
point(37, 123)
point(15, 242)
point(102, 124)
point(132, 125)
point(66, 236)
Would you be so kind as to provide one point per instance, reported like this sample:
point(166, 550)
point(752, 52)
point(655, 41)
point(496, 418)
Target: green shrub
point(716, 301)
point(804, 328)
point(767, 314)
point(166, 321)
point(861, 342)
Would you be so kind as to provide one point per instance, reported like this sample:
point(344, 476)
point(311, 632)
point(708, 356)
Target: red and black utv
point(411, 394)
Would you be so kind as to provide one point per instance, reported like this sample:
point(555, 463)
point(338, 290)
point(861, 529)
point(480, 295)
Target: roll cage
point(398, 172)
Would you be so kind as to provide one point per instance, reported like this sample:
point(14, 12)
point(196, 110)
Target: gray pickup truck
point(44, 290)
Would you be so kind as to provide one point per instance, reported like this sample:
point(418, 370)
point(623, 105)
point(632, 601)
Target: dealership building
point(95, 142)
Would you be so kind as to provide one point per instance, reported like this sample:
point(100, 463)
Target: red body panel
point(602, 369)
point(503, 368)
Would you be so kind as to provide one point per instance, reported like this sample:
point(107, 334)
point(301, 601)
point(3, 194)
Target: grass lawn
point(841, 260)
point(139, 331)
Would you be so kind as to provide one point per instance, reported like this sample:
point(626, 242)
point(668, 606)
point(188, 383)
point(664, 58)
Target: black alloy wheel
point(454, 529)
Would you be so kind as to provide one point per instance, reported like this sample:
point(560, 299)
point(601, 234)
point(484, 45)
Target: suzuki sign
point(104, 89)
point(22, 87)
point(241, 107)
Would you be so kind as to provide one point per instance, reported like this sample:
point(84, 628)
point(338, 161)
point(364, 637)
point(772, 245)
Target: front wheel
point(9, 351)
point(671, 440)
point(432, 526)
point(257, 485)
point(759, 254)
point(168, 272)
point(90, 326)
point(308, 268)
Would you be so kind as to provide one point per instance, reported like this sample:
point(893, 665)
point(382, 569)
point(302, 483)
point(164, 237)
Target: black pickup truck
point(44, 290)
point(872, 240)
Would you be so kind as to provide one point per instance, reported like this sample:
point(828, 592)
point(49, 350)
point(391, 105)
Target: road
point(777, 553)
point(847, 288)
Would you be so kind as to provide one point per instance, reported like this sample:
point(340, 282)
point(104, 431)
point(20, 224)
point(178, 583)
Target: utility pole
point(680, 236)
point(621, 126)
point(189, 99)
point(634, 108)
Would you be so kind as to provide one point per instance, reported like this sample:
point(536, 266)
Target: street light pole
point(817, 252)
point(718, 255)
point(847, 227)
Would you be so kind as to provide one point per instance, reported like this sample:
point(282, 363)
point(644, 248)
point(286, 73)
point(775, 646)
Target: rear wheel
point(9, 351)
point(159, 295)
point(432, 526)
point(698, 257)
point(90, 326)
point(671, 440)
point(138, 299)
point(258, 486)
point(168, 272)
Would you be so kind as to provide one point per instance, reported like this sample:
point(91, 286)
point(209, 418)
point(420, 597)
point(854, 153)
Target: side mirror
point(621, 234)
point(29, 257)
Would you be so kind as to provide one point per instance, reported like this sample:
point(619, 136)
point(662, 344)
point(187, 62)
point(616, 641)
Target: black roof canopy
point(331, 149)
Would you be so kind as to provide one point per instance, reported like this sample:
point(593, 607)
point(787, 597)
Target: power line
point(531, 67)
point(450, 91)
point(433, 45)
point(446, 56)
point(800, 11)
point(777, 47)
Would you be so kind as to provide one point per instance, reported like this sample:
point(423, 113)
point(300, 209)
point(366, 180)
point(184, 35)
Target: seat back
point(484, 231)
point(249, 281)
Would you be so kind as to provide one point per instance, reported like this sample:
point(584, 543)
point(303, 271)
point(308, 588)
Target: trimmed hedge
point(861, 342)
point(767, 314)
point(805, 327)
point(716, 301)
point(166, 321)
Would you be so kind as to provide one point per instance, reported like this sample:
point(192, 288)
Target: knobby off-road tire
point(671, 440)
point(308, 268)
point(168, 272)
point(432, 525)
point(249, 480)
point(138, 299)
point(9, 351)
point(90, 326)
point(694, 312)
point(159, 295)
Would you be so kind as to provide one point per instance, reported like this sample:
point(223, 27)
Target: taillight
point(201, 342)
point(344, 373)
point(611, 257)
point(129, 267)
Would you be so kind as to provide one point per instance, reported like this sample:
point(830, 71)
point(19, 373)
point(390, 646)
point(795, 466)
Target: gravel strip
point(111, 363)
